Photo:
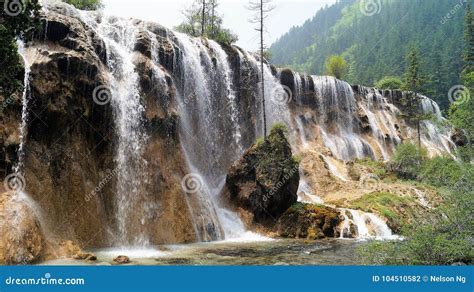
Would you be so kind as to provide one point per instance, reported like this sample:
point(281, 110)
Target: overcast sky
point(169, 13)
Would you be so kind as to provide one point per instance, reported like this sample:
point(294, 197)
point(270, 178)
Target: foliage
point(10, 64)
point(449, 239)
point(413, 79)
point(389, 205)
point(336, 66)
point(212, 23)
point(441, 172)
point(86, 4)
point(468, 66)
point(408, 160)
point(461, 114)
point(376, 46)
point(389, 82)
point(11, 27)
point(426, 246)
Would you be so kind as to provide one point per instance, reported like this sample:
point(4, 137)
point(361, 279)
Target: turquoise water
point(274, 252)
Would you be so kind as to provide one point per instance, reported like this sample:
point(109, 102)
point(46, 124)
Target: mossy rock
point(265, 180)
point(309, 221)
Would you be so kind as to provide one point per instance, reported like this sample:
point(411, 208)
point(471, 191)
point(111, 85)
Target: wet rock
point(459, 138)
point(121, 260)
point(21, 237)
point(265, 180)
point(308, 221)
point(68, 249)
point(85, 256)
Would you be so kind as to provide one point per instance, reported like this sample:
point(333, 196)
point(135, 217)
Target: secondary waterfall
point(25, 100)
point(122, 91)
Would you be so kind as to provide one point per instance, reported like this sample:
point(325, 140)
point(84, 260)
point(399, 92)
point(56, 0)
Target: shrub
point(389, 82)
point(336, 66)
point(441, 172)
point(408, 160)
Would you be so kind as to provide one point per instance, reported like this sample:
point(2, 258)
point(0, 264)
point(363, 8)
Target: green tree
point(413, 84)
point(461, 113)
point(336, 66)
point(202, 19)
point(14, 24)
point(389, 82)
point(408, 160)
point(468, 40)
point(86, 4)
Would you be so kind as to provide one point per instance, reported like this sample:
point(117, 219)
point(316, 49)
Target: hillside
point(376, 45)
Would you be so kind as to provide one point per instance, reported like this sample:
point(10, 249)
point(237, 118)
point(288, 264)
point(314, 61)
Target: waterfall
point(365, 226)
point(220, 115)
point(337, 108)
point(25, 100)
point(210, 132)
point(131, 203)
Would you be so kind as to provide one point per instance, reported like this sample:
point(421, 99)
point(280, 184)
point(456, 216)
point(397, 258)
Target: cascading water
point(364, 225)
point(119, 37)
point(337, 107)
point(220, 112)
point(209, 127)
point(24, 111)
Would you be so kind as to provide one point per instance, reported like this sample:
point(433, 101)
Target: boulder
point(122, 260)
point(265, 180)
point(308, 221)
point(21, 238)
point(460, 138)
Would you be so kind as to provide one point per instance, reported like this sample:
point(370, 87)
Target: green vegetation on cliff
point(14, 25)
point(446, 240)
point(265, 180)
point(376, 45)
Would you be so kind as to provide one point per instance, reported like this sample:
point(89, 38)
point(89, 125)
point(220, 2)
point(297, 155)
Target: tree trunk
point(203, 20)
point(418, 128)
point(262, 71)
point(213, 19)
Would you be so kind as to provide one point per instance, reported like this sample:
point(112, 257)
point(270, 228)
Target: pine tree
point(469, 41)
point(413, 84)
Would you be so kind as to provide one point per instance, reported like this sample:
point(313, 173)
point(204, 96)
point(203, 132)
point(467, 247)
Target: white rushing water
point(216, 125)
point(119, 36)
point(25, 101)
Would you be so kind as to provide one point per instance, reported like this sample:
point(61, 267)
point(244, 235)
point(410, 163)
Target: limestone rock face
point(309, 222)
point(21, 237)
point(265, 180)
